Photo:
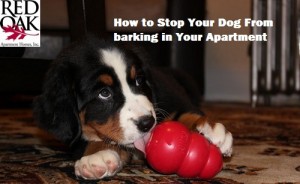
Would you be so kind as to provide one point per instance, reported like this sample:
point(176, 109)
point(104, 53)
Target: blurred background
point(224, 70)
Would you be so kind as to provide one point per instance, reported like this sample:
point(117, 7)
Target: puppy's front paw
point(98, 165)
point(219, 136)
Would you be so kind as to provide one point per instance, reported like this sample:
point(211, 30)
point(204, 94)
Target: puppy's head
point(99, 92)
point(119, 105)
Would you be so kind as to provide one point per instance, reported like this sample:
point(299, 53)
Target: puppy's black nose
point(145, 123)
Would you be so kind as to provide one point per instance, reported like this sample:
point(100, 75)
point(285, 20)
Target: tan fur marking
point(110, 129)
point(88, 132)
point(98, 131)
point(94, 131)
point(106, 79)
point(132, 72)
point(192, 120)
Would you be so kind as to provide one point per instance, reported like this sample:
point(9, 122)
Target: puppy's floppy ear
point(56, 108)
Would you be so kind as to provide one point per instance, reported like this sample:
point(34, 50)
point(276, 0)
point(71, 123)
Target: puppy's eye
point(105, 93)
point(139, 80)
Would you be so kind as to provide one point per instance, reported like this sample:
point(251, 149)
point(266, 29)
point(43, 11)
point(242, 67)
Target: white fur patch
point(136, 105)
point(218, 136)
point(98, 165)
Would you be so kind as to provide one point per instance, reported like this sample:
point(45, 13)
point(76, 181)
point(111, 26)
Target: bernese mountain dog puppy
point(101, 98)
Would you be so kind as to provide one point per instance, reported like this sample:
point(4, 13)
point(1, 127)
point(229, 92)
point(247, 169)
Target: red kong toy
point(172, 148)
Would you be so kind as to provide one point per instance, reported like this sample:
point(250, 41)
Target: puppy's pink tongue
point(140, 144)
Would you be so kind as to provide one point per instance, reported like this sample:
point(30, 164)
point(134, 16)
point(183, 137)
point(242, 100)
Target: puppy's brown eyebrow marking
point(132, 72)
point(106, 79)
